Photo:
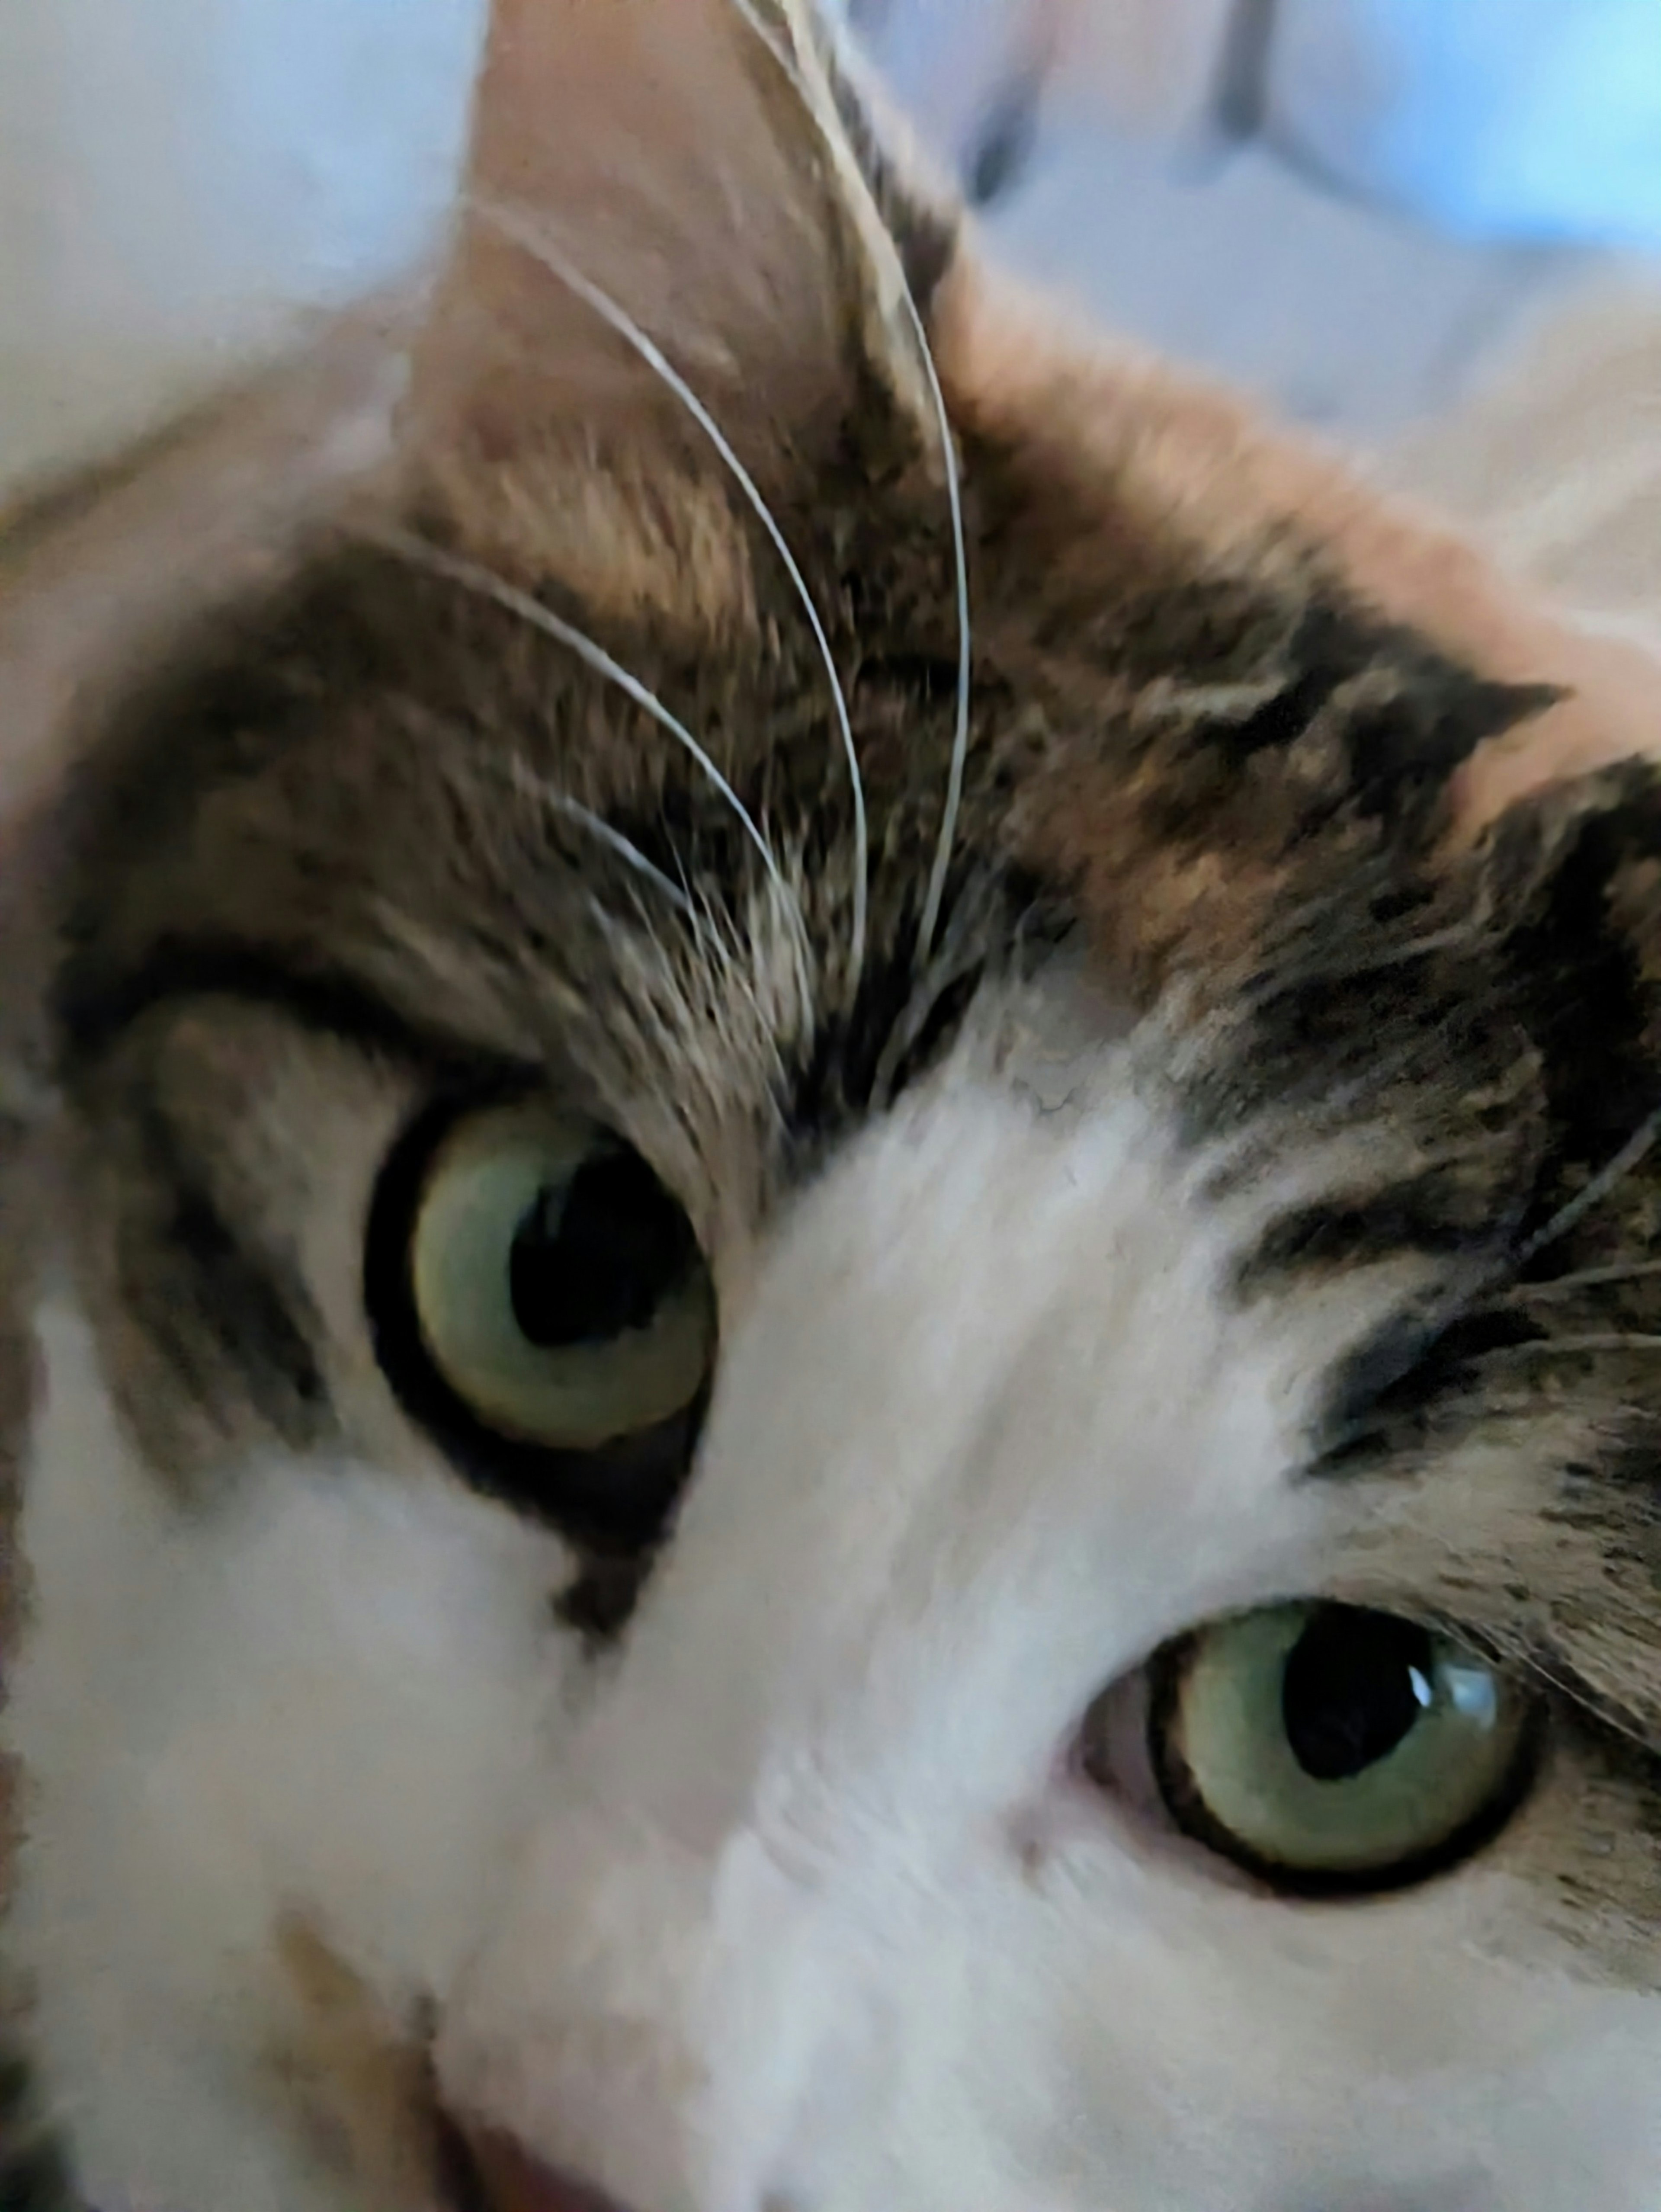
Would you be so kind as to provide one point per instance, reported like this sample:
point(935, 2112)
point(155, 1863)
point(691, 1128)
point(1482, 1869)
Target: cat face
point(848, 1363)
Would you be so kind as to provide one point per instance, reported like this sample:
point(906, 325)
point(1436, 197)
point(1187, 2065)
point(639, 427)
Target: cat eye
point(540, 1301)
point(1331, 1749)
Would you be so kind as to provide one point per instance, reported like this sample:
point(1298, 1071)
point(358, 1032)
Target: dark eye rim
point(1186, 1807)
point(615, 1501)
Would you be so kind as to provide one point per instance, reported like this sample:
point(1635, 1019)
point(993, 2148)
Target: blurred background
point(1365, 211)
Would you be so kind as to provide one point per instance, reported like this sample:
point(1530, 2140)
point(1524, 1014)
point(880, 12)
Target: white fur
point(795, 1900)
point(335, 1681)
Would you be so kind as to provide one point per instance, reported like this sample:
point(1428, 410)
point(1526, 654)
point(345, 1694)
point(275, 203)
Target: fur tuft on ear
point(713, 173)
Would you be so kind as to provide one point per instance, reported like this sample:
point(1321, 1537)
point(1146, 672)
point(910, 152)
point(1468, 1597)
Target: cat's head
point(851, 1377)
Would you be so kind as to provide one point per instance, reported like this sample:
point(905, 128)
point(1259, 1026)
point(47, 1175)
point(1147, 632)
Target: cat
point(838, 1202)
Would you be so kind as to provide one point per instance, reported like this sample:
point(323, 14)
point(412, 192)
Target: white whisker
point(525, 780)
point(471, 577)
point(1282, 981)
point(557, 802)
point(1548, 1347)
point(937, 874)
point(1568, 1217)
point(942, 861)
point(533, 239)
point(1588, 1279)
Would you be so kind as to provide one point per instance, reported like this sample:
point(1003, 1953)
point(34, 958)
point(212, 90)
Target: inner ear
point(711, 171)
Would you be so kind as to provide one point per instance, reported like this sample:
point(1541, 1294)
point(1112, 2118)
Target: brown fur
point(1228, 713)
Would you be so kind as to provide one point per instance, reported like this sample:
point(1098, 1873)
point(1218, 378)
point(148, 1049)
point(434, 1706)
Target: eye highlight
point(1334, 1749)
point(540, 1303)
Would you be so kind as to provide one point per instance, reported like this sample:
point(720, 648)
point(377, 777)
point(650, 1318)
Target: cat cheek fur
point(327, 1696)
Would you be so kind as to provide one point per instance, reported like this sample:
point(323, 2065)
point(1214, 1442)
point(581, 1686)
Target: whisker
point(558, 802)
point(1569, 1216)
point(942, 861)
point(1555, 1672)
point(937, 874)
point(1498, 1287)
point(1592, 1340)
point(1588, 1279)
point(1289, 979)
point(533, 239)
point(529, 784)
point(483, 583)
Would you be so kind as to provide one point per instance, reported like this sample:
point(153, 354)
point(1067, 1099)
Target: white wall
point(179, 180)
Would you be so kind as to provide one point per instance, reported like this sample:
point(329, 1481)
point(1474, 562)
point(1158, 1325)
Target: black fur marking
point(1406, 752)
point(890, 1034)
point(599, 1604)
point(1328, 646)
point(1542, 1018)
point(1578, 973)
point(96, 1010)
point(234, 699)
point(1398, 751)
point(1283, 718)
point(1430, 1213)
point(836, 1079)
point(1386, 1387)
point(1353, 981)
point(195, 1285)
point(1364, 1379)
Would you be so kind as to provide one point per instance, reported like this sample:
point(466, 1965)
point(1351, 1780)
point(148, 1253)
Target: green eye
point(1333, 1748)
point(540, 1303)
point(558, 1287)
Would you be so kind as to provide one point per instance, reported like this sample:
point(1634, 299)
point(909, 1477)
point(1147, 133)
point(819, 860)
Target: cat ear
point(694, 183)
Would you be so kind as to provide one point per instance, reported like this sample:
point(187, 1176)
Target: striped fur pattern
point(1225, 1057)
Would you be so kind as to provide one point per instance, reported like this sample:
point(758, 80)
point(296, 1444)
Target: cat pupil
point(1355, 1684)
point(596, 1255)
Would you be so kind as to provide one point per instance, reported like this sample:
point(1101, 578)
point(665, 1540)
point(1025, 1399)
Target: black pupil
point(1352, 1688)
point(598, 1255)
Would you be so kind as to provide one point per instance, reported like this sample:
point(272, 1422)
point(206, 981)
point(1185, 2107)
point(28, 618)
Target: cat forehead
point(1174, 749)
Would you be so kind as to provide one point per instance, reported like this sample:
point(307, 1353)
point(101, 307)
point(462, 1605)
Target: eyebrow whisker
point(483, 583)
point(1606, 1179)
point(1587, 1279)
point(941, 864)
point(535, 239)
point(1590, 1340)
